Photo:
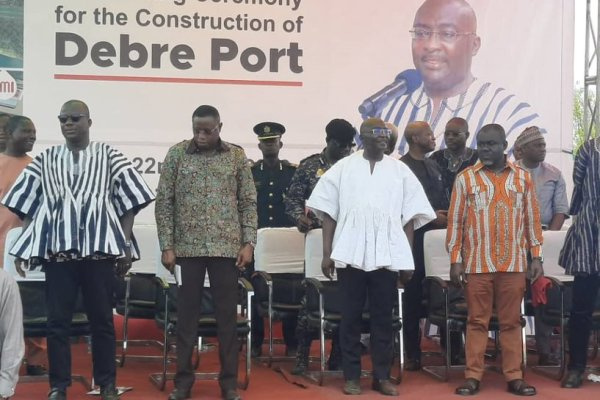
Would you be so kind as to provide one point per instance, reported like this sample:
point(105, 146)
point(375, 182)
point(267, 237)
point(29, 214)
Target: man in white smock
point(370, 205)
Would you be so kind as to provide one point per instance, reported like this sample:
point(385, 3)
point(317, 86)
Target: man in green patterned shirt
point(206, 219)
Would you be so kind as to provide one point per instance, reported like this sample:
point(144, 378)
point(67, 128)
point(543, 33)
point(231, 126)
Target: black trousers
point(380, 288)
point(585, 290)
point(63, 281)
point(223, 275)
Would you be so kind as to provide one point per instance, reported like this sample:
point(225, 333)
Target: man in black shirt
point(420, 140)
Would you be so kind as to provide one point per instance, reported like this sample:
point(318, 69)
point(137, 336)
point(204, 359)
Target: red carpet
point(267, 384)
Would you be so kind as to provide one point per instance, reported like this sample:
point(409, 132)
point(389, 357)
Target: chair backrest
point(147, 240)
point(437, 259)
point(553, 243)
point(279, 250)
point(9, 261)
point(313, 255)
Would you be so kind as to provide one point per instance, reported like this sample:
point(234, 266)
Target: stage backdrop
point(143, 66)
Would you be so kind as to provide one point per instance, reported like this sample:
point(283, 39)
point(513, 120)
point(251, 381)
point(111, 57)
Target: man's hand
point(244, 256)
point(303, 223)
point(405, 276)
point(441, 220)
point(21, 265)
point(168, 259)
point(123, 264)
point(536, 270)
point(457, 275)
point(328, 267)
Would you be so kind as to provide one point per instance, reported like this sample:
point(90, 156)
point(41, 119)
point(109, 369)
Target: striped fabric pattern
point(494, 220)
point(581, 251)
point(75, 203)
point(483, 103)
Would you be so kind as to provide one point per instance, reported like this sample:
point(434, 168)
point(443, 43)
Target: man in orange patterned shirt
point(493, 222)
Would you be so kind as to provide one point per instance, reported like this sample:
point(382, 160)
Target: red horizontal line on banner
point(116, 78)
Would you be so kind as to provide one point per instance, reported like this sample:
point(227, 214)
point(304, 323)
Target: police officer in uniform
point(272, 178)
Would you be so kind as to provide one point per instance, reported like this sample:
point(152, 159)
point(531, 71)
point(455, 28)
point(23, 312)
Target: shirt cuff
point(455, 257)
point(536, 251)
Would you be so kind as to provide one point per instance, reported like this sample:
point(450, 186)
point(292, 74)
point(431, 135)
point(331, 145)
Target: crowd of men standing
point(77, 203)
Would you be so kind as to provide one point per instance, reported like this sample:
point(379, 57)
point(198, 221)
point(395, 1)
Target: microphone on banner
point(406, 82)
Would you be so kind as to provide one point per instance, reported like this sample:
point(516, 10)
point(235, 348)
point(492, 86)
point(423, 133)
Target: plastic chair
point(279, 266)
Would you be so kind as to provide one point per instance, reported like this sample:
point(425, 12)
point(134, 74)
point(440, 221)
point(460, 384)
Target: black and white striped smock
point(75, 202)
point(581, 251)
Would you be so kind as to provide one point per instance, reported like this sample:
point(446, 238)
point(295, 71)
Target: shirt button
point(270, 218)
point(270, 194)
point(271, 183)
point(270, 205)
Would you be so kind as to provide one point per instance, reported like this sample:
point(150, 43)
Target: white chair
point(553, 243)
point(556, 311)
point(278, 251)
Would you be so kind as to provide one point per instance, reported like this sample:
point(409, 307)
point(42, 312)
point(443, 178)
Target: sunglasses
point(379, 132)
point(63, 118)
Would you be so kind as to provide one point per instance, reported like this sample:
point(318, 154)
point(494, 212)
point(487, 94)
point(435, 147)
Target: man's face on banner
point(444, 43)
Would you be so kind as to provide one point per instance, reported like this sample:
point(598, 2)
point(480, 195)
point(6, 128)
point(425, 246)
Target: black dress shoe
point(179, 394)
point(521, 388)
point(230, 394)
point(573, 380)
point(57, 394)
point(468, 388)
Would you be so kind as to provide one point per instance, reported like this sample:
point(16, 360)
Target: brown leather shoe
point(352, 387)
point(468, 388)
point(385, 387)
point(521, 388)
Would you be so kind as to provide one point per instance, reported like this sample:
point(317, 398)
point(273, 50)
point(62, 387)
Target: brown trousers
point(505, 290)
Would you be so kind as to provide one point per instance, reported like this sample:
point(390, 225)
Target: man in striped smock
point(444, 42)
point(493, 221)
point(78, 202)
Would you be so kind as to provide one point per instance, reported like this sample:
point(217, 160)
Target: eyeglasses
point(379, 132)
point(63, 118)
point(446, 36)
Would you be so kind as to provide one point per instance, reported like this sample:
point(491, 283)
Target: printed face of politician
point(444, 56)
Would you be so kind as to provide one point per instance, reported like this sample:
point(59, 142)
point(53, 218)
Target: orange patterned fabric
point(494, 220)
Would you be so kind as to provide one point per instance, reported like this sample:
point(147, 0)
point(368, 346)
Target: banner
point(143, 66)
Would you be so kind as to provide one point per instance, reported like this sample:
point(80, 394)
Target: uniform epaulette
point(286, 163)
point(310, 157)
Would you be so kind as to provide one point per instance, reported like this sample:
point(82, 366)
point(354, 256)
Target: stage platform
point(266, 383)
